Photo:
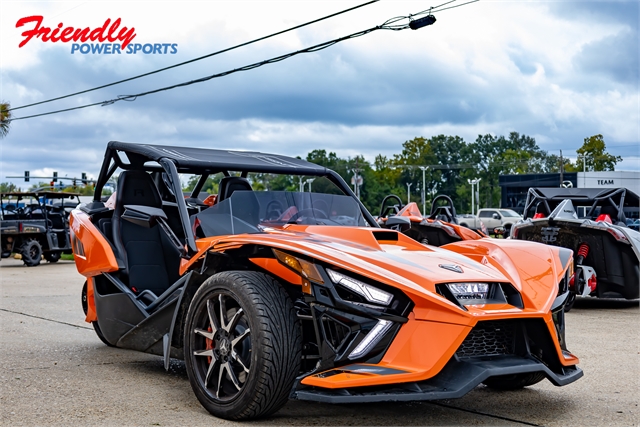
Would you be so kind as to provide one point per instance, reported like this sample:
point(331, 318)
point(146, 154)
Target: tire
point(96, 327)
point(242, 367)
point(571, 299)
point(31, 252)
point(515, 381)
point(507, 232)
point(52, 256)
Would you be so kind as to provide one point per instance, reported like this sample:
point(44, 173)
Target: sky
point(558, 71)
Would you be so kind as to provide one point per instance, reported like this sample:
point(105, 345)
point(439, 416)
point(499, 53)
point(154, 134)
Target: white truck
point(495, 220)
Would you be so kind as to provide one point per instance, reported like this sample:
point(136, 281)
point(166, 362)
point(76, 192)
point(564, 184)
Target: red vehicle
point(277, 295)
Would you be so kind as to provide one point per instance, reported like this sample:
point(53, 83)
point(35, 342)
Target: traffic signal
point(55, 177)
point(84, 177)
point(26, 176)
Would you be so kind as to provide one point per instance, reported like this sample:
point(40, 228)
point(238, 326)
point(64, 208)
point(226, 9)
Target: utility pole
point(561, 169)
point(356, 179)
point(473, 183)
point(424, 190)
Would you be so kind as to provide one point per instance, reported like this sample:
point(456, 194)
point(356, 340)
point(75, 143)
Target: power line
point(194, 59)
point(390, 24)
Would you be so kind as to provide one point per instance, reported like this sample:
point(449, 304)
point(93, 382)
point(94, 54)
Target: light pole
point(409, 192)
point(301, 185)
point(424, 191)
point(473, 182)
point(308, 181)
point(356, 181)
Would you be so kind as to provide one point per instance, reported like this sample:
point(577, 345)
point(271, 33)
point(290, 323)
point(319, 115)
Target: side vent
point(335, 332)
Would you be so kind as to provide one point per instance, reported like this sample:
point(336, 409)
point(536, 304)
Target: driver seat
point(248, 209)
point(148, 259)
point(229, 184)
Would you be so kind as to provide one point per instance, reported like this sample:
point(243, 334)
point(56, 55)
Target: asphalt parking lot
point(55, 371)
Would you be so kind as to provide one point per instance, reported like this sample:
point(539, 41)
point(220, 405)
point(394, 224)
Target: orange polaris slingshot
point(277, 295)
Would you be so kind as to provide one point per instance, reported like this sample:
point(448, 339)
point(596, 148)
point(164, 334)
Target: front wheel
point(85, 308)
point(242, 345)
point(52, 256)
point(515, 381)
point(571, 299)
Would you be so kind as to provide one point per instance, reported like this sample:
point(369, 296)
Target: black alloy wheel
point(242, 345)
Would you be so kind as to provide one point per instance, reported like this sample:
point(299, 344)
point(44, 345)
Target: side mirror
point(496, 216)
point(145, 216)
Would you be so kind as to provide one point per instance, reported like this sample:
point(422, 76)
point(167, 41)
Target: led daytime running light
point(371, 339)
point(469, 291)
point(370, 293)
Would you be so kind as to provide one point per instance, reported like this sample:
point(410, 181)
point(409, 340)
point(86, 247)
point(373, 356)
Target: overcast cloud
point(557, 71)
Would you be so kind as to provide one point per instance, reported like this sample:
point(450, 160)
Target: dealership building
point(514, 188)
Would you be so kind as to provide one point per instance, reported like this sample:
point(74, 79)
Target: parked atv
point(35, 224)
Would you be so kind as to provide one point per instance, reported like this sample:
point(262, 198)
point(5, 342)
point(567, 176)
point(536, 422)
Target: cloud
point(615, 57)
point(557, 71)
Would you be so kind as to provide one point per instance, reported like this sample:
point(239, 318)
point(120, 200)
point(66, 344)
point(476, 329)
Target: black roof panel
point(198, 159)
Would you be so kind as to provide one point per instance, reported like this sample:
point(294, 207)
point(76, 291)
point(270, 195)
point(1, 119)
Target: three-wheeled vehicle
point(277, 294)
point(592, 222)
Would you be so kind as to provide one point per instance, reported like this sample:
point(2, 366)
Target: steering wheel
point(390, 209)
point(446, 211)
point(321, 205)
point(274, 209)
point(311, 212)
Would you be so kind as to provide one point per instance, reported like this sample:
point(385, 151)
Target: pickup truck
point(493, 219)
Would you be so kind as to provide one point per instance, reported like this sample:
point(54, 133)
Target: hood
point(383, 255)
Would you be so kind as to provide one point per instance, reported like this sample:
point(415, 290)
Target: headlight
point(474, 293)
point(370, 293)
point(469, 291)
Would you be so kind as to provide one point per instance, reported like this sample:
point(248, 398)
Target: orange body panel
point(91, 302)
point(97, 256)
point(274, 267)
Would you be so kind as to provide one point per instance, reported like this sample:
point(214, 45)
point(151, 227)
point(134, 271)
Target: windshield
point(251, 211)
point(507, 212)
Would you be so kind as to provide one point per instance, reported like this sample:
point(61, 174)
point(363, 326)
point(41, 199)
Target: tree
point(5, 118)
point(593, 151)
point(8, 187)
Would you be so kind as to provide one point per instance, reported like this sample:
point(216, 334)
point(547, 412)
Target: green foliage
point(8, 187)
point(593, 152)
point(446, 164)
point(5, 118)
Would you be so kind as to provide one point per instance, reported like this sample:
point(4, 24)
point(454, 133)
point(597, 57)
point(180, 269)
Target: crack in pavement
point(76, 365)
point(472, 411)
point(44, 318)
